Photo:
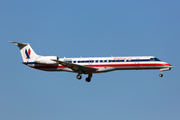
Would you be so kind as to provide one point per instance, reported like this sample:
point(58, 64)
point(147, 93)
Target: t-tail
point(27, 53)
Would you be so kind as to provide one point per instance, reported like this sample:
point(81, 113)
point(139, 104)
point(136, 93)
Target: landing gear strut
point(161, 75)
point(79, 74)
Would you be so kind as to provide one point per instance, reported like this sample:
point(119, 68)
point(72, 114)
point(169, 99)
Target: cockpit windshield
point(154, 59)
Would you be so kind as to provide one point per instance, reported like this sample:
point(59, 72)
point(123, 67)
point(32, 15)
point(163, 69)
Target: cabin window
point(101, 60)
point(113, 60)
point(91, 61)
point(79, 61)
point(105, 60)
point(74, 61)
point(109, 60)
point(97, 61)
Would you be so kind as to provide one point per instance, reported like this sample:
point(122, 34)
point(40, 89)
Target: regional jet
point(89, 65)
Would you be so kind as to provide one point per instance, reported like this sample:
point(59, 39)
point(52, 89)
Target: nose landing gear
point(161, 75)
point(164, 69)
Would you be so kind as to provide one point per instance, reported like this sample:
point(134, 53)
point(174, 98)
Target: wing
point(76, 67)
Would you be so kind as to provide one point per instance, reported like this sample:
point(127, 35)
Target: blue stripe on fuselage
point(29, 63)
point(133, 60)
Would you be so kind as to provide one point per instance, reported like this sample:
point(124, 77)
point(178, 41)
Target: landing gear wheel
point(88, 79)
point(79, 77)
point(161, 75)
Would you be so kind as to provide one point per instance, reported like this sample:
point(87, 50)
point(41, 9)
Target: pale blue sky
point(96, 28)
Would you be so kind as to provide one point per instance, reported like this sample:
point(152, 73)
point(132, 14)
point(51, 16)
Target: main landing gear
point(88, 79)
point(79, 76)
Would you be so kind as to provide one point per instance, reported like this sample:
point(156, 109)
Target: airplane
point(89, 65)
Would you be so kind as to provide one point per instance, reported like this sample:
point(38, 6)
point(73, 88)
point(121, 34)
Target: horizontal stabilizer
point(18, 44)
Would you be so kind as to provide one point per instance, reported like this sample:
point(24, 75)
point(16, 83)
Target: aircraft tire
point(161, 75)
point(78, 77)
point(88, 79)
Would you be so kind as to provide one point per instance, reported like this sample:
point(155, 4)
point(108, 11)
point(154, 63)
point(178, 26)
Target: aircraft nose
point(170, 66)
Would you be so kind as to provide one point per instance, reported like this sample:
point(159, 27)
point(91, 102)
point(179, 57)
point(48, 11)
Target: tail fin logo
point(28, 53)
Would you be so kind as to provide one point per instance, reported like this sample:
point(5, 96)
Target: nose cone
point(169, 65)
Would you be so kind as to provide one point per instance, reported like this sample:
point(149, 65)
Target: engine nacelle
point(47, 60)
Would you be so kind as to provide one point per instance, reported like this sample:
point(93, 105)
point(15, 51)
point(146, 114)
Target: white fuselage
point(106, 64)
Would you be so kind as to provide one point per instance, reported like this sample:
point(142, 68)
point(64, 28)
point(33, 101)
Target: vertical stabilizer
point(28, 54)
